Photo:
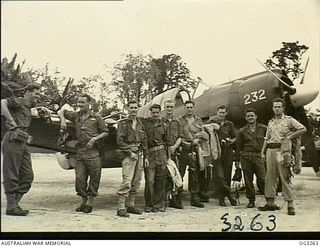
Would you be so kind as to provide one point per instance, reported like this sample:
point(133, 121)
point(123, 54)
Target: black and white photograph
point(159, 119)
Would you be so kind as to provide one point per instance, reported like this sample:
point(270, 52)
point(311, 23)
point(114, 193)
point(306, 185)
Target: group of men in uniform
point(146, 145)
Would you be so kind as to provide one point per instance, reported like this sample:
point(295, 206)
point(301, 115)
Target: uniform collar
point(282, 117)
point(195, 116)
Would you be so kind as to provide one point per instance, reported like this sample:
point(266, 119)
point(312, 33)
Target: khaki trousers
point(278, 164)
point(131, 179)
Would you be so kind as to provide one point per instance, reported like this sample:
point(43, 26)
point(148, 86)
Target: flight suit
point(279, 156)
point(249, 146)
point(131, 139)
point(88, 160)
point(156, 172)
point(17, 167)
point(189, 156)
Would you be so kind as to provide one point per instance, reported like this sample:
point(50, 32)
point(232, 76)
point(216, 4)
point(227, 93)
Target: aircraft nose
point(304, 95)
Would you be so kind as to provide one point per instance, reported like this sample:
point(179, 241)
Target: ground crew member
point(191, 128)
point(174, 138)
point(249, 145)
point(155, 173)
point(222, 186)
point(227, 137)
point(17, 167)
point(281, 130)
point(132, 140)
point(90, 128)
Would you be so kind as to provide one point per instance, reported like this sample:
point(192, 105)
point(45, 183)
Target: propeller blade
point(307, 139)
point(304, 72)
point(304, 95)
point(292, 89)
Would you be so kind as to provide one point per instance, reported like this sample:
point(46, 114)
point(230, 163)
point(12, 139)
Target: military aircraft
point(257, 91)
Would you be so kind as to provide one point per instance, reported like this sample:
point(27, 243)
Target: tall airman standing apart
point(249, 145)
point(155, 173)
point(17, 166)
point(191, 127)
point(132, 140)
point(281, 130)
point(227, 137)
point(90, 127)
point(174, 136)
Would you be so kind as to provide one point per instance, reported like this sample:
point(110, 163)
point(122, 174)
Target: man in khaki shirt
point(281, 130)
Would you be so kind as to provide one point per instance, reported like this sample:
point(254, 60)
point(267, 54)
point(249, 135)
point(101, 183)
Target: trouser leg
point(159, 187)
point(246, 162)
point(160, 158)
point(260, 171)
point(203, 182)
point(149, 173)
point(82, 174)
point(271, 175)
point(194, 187)
point(183, 163)
point(12, 162)
point(285, 176)
point(128, 168)
point(135, 184)
point(94, 167)
point(223, 189)
point(227, 162)
point(25, 175)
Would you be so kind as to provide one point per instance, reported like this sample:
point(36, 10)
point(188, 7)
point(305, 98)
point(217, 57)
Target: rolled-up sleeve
point(121, 134)
point(296, 125)
point(102, 127)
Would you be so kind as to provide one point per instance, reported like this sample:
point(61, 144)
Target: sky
point(219, 39)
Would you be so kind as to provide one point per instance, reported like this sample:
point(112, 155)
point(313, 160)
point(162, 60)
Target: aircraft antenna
point(287, 85)
point(304, 72)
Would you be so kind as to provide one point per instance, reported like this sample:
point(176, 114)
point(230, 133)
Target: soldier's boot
point(232, 201)
point(222, 203)
point(13, 208)
point(121, 211)
point(88, 208)
point(131, 208)
point(19, 197)
point(203, 197)
point(195, 201)
point(251, 204)
point(291, 210)
point(173, 203)
point(83, 204)
point(270, 206)
point(179, 199)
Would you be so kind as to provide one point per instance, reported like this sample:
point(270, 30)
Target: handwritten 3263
point(255, 224)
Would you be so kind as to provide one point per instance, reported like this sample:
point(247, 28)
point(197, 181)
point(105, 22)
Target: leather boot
point(195, 201)
point(17, 211)
point(178, 199)
point(232, 201)
point(222, 203)
point(19, 197)
point(11, 201)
